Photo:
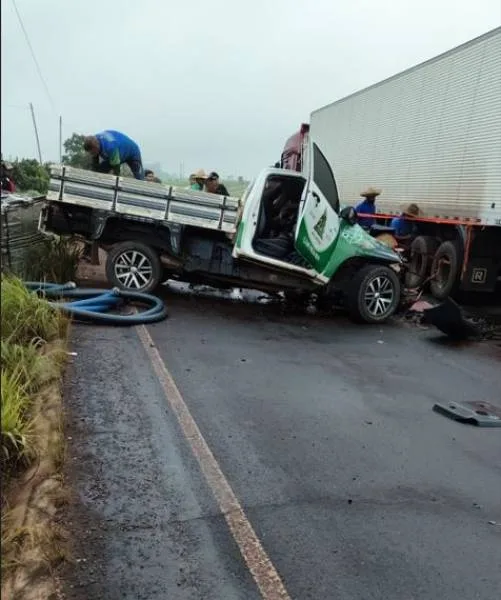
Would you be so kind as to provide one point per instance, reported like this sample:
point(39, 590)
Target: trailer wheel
point(373, 295)
point(445, 270)
point(134, 266)
point(421, 256)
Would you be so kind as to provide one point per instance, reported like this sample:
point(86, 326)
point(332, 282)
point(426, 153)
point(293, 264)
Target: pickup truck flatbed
point(143, 200)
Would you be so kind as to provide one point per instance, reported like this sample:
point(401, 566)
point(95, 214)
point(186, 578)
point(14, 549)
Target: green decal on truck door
point(318, 223)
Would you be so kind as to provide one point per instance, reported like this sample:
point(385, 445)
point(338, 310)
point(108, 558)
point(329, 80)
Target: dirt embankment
point(33, 544)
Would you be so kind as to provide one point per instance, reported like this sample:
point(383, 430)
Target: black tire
point(421, 256)
point(377, 309)
point(143, 276)
point(445, 270)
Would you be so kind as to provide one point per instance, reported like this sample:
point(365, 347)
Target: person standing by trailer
point(367, 207)
point(405, 228)
point(110, 149)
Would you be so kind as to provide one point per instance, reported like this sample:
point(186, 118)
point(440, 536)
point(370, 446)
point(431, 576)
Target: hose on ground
point(93, 304)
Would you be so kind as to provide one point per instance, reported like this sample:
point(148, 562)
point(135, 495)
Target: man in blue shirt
point(368, 207)
point(405, 228)
point(110, 149)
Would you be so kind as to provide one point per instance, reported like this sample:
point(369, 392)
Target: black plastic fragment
point(450, 319)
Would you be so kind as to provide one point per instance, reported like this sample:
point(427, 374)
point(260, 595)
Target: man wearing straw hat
point(198, 179)
point(368, 207)
point(405, 228)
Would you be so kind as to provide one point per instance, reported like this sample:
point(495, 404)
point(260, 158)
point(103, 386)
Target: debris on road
point(481, 414)
point(452, 320)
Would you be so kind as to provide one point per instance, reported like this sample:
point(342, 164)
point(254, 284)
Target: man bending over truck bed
point(110, 149)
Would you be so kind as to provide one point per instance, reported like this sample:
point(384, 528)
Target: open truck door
point(318, 223)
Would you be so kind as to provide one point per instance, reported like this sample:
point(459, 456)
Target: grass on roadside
point(25, 318)
point(56, 260)
point(33, 336)
point(17, 446)
point(29, 326)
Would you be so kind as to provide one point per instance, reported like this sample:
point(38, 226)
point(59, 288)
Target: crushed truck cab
point(292, 220)
point(287, 233)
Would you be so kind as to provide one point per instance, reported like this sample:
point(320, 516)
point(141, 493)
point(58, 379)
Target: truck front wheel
point(134, 266)
point(374, 294)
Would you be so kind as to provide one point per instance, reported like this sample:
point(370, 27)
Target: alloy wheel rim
point(379, 296)
point(133, 269)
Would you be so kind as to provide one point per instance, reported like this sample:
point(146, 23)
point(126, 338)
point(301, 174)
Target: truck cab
point(294, 149)
point(292, 221)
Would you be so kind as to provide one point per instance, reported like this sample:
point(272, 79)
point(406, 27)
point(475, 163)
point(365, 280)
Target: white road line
point(262, 569)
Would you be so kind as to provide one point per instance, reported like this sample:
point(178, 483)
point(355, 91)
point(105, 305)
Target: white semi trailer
point(430, 135)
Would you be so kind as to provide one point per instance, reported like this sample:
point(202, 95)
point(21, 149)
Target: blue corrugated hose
point(93, 304)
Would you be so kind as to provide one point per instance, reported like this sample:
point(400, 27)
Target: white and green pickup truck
point(287, 233)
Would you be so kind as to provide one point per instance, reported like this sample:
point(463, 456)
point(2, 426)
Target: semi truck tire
point(134, 266)
point(445, 270)
point(421, 256)
point(373, 294)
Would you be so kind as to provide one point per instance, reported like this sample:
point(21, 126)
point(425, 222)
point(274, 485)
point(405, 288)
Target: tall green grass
point(17, 425)
point(24, 316)
point(29, 324)
point(55, 260)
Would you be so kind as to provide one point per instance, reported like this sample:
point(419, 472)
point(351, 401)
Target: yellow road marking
point(265, 575)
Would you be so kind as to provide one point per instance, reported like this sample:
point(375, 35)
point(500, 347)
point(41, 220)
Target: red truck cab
point(292, 155)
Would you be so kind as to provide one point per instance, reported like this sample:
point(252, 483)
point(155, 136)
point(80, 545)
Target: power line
point(33, 55)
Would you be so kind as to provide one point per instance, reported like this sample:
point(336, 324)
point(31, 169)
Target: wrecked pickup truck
point(286, 234)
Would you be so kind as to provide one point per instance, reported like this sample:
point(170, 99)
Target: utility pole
point(60, 139)
point(36, 133)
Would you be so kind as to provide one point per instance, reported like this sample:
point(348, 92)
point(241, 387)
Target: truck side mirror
point(349, 214)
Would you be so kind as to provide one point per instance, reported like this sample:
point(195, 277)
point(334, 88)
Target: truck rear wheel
point(445, 270)
point(134, 266)
point(373, 295)
point(421, 256)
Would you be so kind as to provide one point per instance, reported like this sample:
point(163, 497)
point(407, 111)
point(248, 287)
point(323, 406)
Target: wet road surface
point(325, 433)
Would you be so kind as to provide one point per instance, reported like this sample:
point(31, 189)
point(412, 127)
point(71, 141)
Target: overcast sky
point(216, 84)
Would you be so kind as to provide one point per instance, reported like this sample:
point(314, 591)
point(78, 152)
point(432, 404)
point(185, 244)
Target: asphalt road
point(324, 431)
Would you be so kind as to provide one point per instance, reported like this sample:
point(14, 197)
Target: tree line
point(30, 176)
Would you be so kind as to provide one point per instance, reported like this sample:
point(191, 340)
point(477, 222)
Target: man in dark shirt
point(213, 186)
point(149, 175)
